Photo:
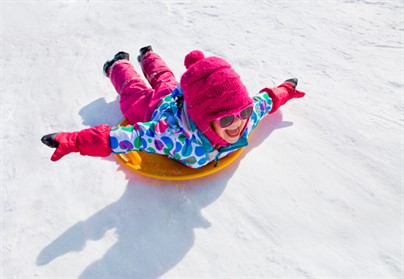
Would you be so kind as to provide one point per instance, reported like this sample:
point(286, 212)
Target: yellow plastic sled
point(162, 167)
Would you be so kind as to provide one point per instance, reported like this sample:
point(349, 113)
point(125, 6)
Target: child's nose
point(237, 120)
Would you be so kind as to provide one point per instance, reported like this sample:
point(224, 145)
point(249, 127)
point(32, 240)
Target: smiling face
point(231, 133)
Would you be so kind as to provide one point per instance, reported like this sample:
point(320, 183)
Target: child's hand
point(64, 143)
point(290, 85)
point(93, 142)
point(50, 140)
point(283, 93)
point(293, 81)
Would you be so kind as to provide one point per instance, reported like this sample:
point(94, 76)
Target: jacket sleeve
point(147, 136)
point(158, 138)
point(262, 105)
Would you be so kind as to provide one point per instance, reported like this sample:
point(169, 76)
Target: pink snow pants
point(137, 100)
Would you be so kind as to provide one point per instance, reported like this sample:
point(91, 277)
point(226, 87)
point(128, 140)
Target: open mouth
point(233, 132)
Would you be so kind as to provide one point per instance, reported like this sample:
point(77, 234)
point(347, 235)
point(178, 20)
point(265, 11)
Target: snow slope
point(318, 194)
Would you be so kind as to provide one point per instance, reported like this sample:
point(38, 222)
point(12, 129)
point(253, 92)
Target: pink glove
point(283, 93)
point(92, 142)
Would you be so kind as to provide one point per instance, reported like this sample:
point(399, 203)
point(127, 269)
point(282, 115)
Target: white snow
point(318, 193)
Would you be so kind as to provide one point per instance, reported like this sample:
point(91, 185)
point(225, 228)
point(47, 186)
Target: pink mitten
point(283, 93)
point(92, 142)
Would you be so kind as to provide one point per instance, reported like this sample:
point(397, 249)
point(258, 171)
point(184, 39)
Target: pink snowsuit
point(137, 100)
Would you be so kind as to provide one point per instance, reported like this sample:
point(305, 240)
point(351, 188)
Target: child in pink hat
point(204, 117)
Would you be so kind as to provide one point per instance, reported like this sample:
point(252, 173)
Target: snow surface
point(318, 193)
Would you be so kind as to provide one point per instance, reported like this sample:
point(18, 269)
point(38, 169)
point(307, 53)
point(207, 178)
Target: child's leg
point(135, 96)
point(160, 77)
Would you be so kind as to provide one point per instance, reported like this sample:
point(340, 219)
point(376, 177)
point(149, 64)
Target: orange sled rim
point(162, 167)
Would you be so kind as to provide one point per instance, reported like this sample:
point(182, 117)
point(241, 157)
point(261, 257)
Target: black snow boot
point(143, 51)
point(119, 56)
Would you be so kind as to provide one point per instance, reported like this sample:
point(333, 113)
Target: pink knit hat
point(212, 89)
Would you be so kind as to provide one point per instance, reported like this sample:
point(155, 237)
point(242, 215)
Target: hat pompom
point(193, 57)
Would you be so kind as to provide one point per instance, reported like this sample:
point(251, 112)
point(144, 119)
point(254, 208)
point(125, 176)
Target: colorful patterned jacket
point(172, 133)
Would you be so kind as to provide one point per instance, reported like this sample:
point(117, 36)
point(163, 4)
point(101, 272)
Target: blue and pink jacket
point(158, 119)
point(172, 133)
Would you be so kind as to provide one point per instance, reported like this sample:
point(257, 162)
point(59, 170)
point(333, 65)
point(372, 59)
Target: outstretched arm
point(92, 142)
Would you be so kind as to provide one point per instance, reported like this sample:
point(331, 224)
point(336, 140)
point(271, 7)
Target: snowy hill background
point(318, 193)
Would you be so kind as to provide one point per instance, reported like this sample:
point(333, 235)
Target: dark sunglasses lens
point(226, 121)
point(245, 113)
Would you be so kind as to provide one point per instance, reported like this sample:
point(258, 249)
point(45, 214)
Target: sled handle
point(132, 158)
